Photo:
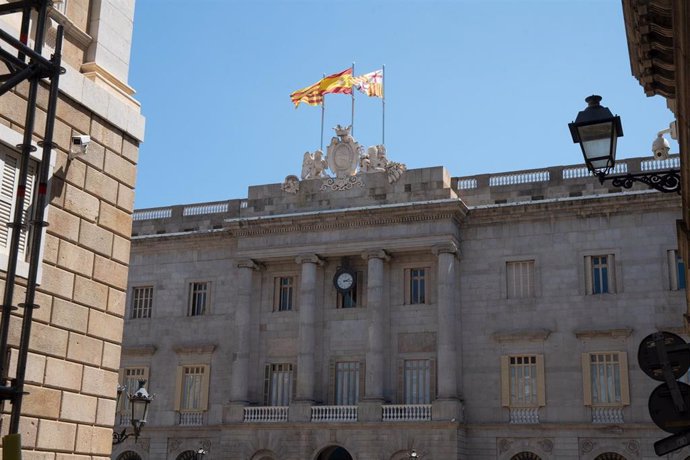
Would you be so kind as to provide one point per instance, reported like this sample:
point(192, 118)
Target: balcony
point(266, 414)
point(524, 415)
point(406, 412)
point(334, 413)
point(607, 415)
point(191, 418)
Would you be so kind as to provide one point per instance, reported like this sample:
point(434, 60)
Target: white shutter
point(28, 202)
point(8, 183)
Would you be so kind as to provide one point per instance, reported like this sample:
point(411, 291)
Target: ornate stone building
point(366, 316)
point(74, 348)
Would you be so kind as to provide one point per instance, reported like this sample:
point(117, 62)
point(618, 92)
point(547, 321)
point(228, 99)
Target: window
point(605, 379)
point(599, 274)
point(192, 388)
point(142, 302)
point(520, 279)
point(417, 384)
point(198, 298)
point(278, 384)
point(417, 280)
point(676, 270)
point(284, 293)
point(353, 297)
point(129, 378)
point(522, 381)
point(347, 383)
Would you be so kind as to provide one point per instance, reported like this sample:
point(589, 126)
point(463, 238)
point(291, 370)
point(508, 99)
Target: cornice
point(194, 348)
point(522, 335)
point(617, 333)
point(141, 350)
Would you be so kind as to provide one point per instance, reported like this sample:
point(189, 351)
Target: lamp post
point(597, 130)
point(139, 406)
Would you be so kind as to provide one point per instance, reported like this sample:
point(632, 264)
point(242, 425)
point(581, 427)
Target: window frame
point(403, 381)
point(358, 380)
point(277, 292)
point(191, 298)
point(203, 389)
point(612, 278)
point(623, 379)
point(515, 267)
point(676, 270)
point(133, 299)
point(507, 384)
point(272, 369)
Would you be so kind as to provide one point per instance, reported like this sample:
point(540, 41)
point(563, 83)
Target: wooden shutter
point(541, 379)
point(26, 215)
point(205, 385)
point(588, 275)
point(8, 182)
point(586, 380)
point(625, 384)
point(505, 381)
point(178, 387)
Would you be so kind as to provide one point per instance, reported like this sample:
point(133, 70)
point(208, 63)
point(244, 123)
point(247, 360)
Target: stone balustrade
point(191, 418)
point(522, 415)
point(266, 414)
point(607, 415)
point(406, 412)
point(334, 413)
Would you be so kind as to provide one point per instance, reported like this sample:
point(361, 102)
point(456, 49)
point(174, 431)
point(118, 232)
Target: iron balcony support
point(667, 181)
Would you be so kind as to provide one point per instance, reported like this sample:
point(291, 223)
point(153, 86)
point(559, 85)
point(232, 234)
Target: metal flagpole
point(352, 93)
point(383, 104)
point(323, 112)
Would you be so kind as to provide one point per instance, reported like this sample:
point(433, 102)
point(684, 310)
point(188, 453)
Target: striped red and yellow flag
point(311, 95)
point(338, 83)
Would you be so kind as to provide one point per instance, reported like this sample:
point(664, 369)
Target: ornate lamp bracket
point(663, 181)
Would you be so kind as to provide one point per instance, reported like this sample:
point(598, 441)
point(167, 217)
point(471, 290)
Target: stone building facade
point(491, 317)
point(74, 349)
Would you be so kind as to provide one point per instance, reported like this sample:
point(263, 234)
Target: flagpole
point(323, 112)
point(352, 118)
point(383, 104)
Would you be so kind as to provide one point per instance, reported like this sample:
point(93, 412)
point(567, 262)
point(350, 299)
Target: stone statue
point(313, 165)
point(291, 184)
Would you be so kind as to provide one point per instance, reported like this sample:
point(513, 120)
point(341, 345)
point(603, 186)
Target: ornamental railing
point(406, 412)
point(524, 178)
point(208, 208)
point(266, 414)
point(334, 413)
point(524, 415)
point(195, 418)
point(607, 415)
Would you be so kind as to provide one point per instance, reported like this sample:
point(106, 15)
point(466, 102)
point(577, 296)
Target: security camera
point(660, 147)
point(79, 145)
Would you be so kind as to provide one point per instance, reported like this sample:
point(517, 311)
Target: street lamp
point(200, 453)
point(597, 130)
point(139, 406)
point(413, 455)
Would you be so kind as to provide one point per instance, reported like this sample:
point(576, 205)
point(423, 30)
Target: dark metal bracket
point(664, 181)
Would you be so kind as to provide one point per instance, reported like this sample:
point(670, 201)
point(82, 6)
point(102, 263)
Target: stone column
point(307, 334)
point(239, 377)
point(447, 405)
point(375, 367)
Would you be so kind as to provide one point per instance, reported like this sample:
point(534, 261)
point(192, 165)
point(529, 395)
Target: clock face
point(344, 279)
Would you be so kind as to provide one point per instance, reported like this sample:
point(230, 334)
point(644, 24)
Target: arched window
point(128, 455)
point(525, 456)
point(610, 456)
point(187, 455)
point(334, 453)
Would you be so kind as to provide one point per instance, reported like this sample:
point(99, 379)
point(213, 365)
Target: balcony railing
point(195, 418)
point(266, 414)
point(524, 415)
point(334, 413)
point(607, 415)
point(406, 412)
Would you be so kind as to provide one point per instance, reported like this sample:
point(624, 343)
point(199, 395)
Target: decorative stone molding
point(71, 29)
point(290, 185)
point(445, 248)
point(249, 263)
point(376, 254)
point(619, 333)
point(522, 335)
point(309, 258)
point(341, 183)
point(142, 350)
point(198, 349)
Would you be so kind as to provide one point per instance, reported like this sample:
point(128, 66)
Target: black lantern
point(139, 406)
point(597, 130)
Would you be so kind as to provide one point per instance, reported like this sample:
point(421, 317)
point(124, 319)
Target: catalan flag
point(311, 95)
point(338, 83)
point(370, 83)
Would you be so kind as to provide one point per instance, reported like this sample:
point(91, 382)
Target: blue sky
point(478, 86)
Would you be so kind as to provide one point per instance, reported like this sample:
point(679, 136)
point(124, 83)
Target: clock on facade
point(344, 279)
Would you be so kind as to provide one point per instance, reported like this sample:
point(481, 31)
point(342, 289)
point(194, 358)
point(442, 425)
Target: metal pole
point(352, 92)
point(323, 113)
point(37, 224)
point(383, 104)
